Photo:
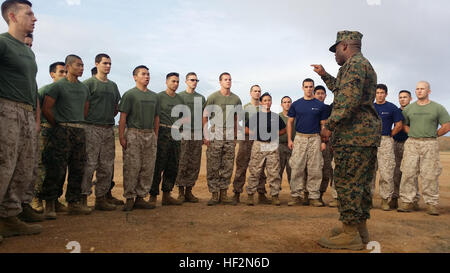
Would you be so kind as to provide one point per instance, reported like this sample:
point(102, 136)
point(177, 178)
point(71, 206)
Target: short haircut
point(12, 4)
point(136, 70)
point(285, 97)
point(307, 80)
point(319, 87)
point(251, 88)
point(264, 95)
point(94, 71)
point(172, 74)
point(100, 56)
point(223, 74)
point(405, 91)
point(190, 74)
point(53, 66)
point(382, 87)
point(70, 59)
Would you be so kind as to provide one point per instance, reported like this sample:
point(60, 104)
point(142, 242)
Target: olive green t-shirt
point(424, 120)
point(166, 104)
point(284, 138)
point(41, 93)
point(18, 71)
point(223, 101)
point(103, 98)
point(70, 100)
point(141, 108)
point(188, 99)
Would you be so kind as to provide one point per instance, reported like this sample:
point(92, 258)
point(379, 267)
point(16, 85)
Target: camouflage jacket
point(354, 120)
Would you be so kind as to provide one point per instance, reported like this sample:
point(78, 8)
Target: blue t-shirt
point(308, 114)
point(328, 108)
point(389, 114)
point(401, 136)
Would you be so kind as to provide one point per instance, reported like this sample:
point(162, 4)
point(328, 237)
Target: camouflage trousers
point(353, 173)
point(138, 162)
point(18, 157)
point(386, 165)
point(189, 164)
point(100, 150)
point(166, 162)
point(264, 156)
point(285, 155)
point(421, 157)
point(242, 163)
point(306, 163)
point(327, 170)
point(66, 148)
point(219, 164)
point(398, 151)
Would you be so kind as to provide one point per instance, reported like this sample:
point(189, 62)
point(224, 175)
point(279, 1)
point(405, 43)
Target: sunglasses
point(194, 80)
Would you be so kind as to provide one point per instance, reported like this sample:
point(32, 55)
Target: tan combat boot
point(262, 199)
point(306, 199)
point(214, 199)
point(293, 201)
point(140, 203)
point(102, 204)
point(362, 229)
point(167, 200)
point(59, 207)
point(112, 200)
point(393, 204)
point(152, 200)
point(276, 200)
point(250, 200)
point(316, 203)
point(432, 210)
point(189, 197)
point(37, 205)
point(12, 226)
point(129, 205)
point(236, 198)
point(224, 199)
point(416, 206)
point(29, 215)
point(321, 200)
point(405, 207)
point(77, 208)
point(348, 239)
point(181, 194)
point(385, 205)
point(333, 203)
point(49, 210)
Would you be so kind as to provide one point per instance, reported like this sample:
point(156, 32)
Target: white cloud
point(73, 2)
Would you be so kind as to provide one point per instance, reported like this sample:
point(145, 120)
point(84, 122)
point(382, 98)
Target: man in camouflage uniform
point(168, 147)
point(100, 140)
point(220, 110)
point(244, 153)
point(421, 155)
point(356, 129)
point(191, 148)
point(283, 149)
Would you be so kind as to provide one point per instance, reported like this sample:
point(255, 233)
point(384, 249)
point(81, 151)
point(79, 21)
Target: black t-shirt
point(262, 123)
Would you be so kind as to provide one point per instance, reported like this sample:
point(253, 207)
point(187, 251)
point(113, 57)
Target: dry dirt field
point(197, 228)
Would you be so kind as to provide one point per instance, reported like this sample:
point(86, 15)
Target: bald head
point(424, 84)
point(423, 90)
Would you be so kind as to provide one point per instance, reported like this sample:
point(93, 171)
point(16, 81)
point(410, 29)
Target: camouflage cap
point(346, 35)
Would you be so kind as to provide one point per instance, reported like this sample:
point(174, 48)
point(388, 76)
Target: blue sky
point(270, 43)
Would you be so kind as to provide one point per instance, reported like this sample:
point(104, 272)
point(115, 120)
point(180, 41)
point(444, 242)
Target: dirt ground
point(197, 228)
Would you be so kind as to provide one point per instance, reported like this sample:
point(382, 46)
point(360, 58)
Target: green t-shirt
point(70, 100)
point(284, 138)
point(424, 120)
point(42, 92)
point(166, 104)
point(18, 71)
point(189, 101)
point(141, 108)
point(223, 101)
point(103, 98)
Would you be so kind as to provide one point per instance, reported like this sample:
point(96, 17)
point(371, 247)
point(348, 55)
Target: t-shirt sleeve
point(125, 105)
point(53, 91)
point(158, 107)
point(443, 115)
point(117, 93)
point(324, 113)
point(291, 112)
point(281, 123)
point(405, 116)
point(397, 115)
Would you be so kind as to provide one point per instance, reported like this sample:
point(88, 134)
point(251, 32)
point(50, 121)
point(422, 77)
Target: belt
point(102, 126)
point(307, 135)
point(72, 125)
point(386, 136)
point(423, 138)
point(46, 125)
point(168, 126)
point(24, 106)
point(146, 131)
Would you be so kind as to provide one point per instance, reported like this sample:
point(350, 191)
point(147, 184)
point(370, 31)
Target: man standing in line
point(283, 149)
point(404, 99)
point(57, 72)
point(100, 140)
point(139, 113)
point(191, 149)
point(389, 114)
point(221, 140)
point(168, 147)
point(244, 153)
point(306, 161)
point(356, 129)
point(327, 172)
point(20, 113)
point(65, 107)
point(421, 155)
